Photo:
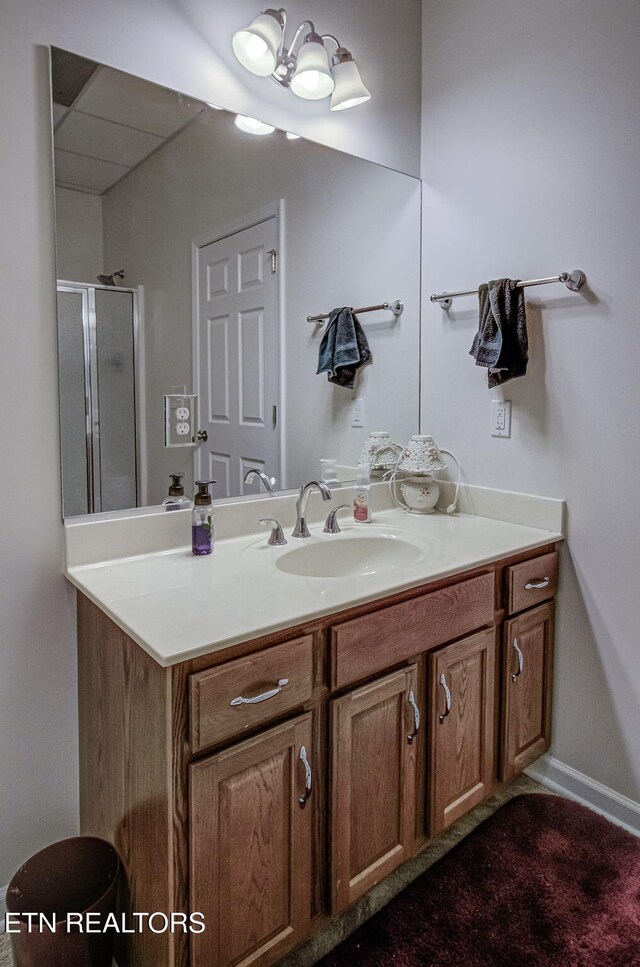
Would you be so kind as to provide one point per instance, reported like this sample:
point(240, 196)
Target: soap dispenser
point(202, 519)
point(362, 495)
point(176, 499)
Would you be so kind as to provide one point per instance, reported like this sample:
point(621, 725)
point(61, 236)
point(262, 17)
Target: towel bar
point(573, 280)
point(395, 307)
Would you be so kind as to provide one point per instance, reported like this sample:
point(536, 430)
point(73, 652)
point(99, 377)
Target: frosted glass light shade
point(349, 90)
point(252, 125)
point(312, 79)
point(256, 46)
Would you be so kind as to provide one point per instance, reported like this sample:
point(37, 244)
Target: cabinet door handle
point(307, 778)
point(517, 674)
point(537, 584)
point(447, 698)
point(240, 700)
point(416, 717)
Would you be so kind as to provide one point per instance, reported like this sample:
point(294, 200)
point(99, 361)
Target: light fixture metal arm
point(296, 36)
point(283, 15)
point(334, 39)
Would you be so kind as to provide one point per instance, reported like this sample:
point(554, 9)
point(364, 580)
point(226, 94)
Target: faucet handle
point(276, 537)
point(331, 523)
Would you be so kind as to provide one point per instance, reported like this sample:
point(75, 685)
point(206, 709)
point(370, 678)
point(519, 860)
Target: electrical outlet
point(180, 417)
point(501, 418)
point(357, 413)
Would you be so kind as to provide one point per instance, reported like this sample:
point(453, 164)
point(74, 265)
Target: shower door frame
point(87, 291)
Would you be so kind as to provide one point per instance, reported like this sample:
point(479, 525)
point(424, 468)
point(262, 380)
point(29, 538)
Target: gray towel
point(501, 343)
point(344, 348)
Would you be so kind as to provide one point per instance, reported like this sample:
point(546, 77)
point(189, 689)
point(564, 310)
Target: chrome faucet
point(267, 482)
point(301, 529)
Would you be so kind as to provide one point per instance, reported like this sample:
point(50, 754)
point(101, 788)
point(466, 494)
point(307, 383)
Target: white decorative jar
point(420, 494)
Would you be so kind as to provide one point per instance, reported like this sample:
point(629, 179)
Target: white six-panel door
point(237, 358)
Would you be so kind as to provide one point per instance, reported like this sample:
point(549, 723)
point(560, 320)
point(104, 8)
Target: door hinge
point(274, 259)
point(274, 415)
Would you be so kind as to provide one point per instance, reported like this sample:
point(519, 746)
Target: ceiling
point(106, 122)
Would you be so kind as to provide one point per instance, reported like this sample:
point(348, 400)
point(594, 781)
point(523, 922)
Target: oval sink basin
point(349, 557)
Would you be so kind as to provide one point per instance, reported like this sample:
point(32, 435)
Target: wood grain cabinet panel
point(243, 694)
point(363, 646)
point(251, 843)
point(373, 784)
point(531, 582)
point(527, 666)
point(461, 742)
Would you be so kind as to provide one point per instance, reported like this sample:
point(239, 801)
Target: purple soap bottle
point(202, 519)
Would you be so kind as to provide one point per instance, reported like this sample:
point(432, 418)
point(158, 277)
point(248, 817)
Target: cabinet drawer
point(366, 645)
point(531, 582)
point(227, 700)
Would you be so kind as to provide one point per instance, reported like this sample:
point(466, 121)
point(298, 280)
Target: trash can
point(76, 876)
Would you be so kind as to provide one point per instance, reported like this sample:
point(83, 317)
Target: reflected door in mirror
point(237, 350)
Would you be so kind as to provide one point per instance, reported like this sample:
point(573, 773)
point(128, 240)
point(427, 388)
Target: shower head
point(110, 279)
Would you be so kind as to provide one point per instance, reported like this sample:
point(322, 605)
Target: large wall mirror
point(190, 254)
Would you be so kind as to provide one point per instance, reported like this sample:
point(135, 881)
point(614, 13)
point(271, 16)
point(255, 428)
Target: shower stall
point(97, 352)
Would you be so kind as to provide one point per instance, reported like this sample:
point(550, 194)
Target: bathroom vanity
point(269, 780)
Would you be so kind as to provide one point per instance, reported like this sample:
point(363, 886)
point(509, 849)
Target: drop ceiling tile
point(92, 174)
point(139, 104)
point(105, 140)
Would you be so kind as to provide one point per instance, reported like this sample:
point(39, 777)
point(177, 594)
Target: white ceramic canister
point(420, 494)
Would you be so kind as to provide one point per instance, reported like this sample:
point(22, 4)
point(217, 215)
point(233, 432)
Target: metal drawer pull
point(307, 777)
point(538, 584)
point(240, 700)
point(447, 695)
point(416, 717)
point(517, 674)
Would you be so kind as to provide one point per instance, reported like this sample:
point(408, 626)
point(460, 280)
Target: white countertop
point(177, 606)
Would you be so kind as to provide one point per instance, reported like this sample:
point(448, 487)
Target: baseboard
point(3, 909)
point(561, 778)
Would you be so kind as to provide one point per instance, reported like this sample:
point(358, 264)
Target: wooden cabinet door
point(527, 666)
point(374, 754)
point(251, 839)
point(461, 740)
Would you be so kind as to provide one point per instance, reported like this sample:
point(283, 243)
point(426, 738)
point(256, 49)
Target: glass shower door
point(115, 368)
point(96, 345)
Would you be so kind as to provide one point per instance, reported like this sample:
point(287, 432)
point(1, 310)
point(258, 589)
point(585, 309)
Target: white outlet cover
point(357, 412)
point(501, 418)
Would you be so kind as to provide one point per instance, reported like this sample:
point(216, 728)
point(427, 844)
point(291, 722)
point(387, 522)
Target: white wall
point(530, 158)
point(351, 233)
point(79, 256)
point(183, 45)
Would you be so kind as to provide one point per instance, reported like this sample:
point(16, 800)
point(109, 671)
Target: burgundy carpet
point(544, 883)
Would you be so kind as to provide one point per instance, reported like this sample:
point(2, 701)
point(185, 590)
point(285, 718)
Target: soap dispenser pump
point(202, 519)
point(176, 499)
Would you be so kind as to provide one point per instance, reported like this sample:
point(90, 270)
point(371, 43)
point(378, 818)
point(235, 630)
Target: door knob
point(201, 437)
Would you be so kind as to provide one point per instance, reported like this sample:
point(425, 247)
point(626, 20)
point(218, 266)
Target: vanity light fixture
point(252, 125)
point(307, 71)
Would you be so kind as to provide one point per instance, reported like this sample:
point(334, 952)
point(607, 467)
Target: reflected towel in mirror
point(344, 348)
